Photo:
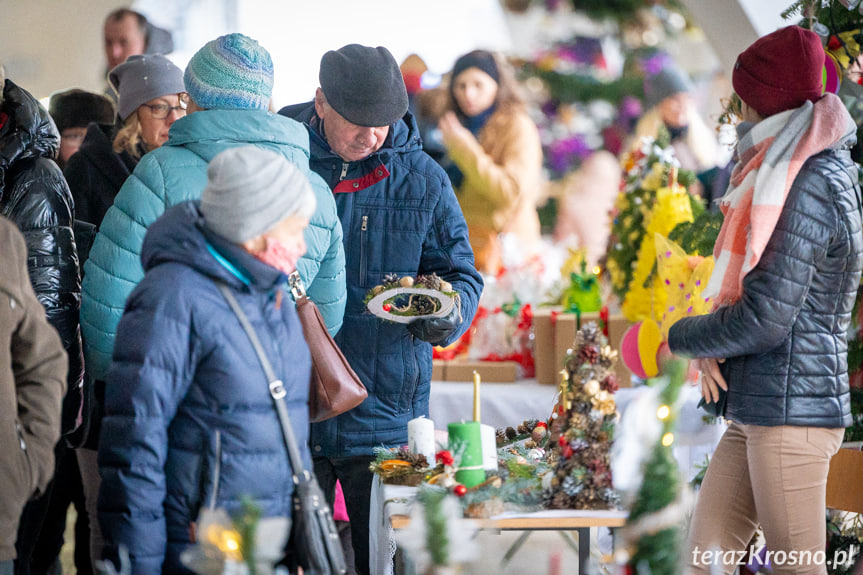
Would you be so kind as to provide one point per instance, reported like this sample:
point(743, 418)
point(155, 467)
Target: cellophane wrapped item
point(503, 326)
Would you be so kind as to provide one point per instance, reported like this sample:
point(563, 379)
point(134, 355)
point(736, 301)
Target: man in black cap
point(400, 216)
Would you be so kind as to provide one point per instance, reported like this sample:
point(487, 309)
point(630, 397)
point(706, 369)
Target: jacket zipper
point(344, 171)
point(21, 442)
point(363, 233)
point(217, 471)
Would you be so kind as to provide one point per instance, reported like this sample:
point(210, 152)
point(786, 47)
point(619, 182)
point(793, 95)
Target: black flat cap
point(364, 85)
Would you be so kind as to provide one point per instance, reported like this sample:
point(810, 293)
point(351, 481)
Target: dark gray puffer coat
point(785, 340)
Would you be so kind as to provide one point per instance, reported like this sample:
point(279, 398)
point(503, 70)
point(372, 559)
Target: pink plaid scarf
point(770, 156)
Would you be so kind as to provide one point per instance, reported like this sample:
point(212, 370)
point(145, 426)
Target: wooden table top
point(542, 520)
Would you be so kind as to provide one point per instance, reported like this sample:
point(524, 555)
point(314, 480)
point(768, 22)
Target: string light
point(226, 540)
point(667, 439)
point(596, 270)
point(663, 412)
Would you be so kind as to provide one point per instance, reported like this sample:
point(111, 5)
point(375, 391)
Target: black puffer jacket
point(95, 174)
point(34, 195)
point(785, 340)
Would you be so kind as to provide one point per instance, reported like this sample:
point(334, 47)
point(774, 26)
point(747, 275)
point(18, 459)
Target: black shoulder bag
point(314, 542)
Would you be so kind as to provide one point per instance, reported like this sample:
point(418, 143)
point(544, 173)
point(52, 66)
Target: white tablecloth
point(509, 404)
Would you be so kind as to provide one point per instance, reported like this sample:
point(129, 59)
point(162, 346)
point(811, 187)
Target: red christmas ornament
point(387, 307)
point(444, 457)
point(567, 451)
point(834, 43)
point(561, 441)
point(541, 424)
point(459, 490)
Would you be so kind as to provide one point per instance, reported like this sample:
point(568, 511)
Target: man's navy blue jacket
point(399, 216)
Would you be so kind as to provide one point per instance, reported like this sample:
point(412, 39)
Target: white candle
point(421, 438)
point(489, 447)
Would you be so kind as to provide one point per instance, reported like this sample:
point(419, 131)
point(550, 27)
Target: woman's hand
point(664, 355)
point(454, 134)
point(711, 378)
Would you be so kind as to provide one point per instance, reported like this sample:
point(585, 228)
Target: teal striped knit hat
point(232, 72)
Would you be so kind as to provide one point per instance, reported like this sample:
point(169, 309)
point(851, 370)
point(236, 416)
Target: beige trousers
point(772, 476)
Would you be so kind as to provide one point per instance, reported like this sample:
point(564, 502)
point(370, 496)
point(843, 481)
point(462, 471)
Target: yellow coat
point(502, 183)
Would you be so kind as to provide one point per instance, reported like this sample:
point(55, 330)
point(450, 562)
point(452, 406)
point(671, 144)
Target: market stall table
point(390, 508)
point(509, 404)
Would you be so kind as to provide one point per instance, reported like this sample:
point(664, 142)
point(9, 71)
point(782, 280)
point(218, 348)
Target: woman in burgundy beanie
point(773, 353)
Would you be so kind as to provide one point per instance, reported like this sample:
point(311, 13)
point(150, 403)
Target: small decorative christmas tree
point(583, 431)
point(653, 199)
point(653, 531)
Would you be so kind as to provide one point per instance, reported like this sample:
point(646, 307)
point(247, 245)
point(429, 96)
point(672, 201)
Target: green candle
point(468, 435)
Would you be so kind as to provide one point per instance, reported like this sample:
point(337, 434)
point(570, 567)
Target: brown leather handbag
point(335, 387)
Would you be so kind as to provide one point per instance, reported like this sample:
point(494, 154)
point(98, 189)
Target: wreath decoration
point(407, 299)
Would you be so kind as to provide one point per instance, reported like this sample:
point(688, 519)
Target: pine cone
point(560, 500)
point(510, 433)
point(609, 383)
point(590, 332)
point(391, 279)
point(571, 487)
point(610, 496)
point(579, 339)
point(424, 305)
point(500, 436)
point(538, 434)
point(431, 281)
point(578, 421)
point(522, 429)
point(589, 354)
point(578, 445)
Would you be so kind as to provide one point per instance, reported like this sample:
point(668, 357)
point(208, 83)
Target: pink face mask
point(280, 256)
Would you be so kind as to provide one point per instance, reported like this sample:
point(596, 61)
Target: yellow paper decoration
point(683, 278)
point(642, 302)
point(850, 47)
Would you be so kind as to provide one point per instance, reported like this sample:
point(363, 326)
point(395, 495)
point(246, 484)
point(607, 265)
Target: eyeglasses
point(161, 111)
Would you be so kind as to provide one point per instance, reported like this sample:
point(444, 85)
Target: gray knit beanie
point(666, 83)
point(143, 77)
point(250, 190)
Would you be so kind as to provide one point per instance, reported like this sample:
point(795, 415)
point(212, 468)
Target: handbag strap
point(298, 290)
point(277, 387)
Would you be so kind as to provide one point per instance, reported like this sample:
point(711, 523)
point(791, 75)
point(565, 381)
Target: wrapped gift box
point(462, 370)
point(554, 335)
point(439, 370)
point(547, 371)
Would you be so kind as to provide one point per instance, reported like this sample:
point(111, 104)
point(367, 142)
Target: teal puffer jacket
point(177, 172)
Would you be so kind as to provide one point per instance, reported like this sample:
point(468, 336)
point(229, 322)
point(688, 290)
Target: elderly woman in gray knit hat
point(189, 421)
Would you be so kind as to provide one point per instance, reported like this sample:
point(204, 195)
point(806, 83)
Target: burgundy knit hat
point(780, 71)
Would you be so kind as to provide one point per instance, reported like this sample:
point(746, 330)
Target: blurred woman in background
point(495, 154)
point(151, 98)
